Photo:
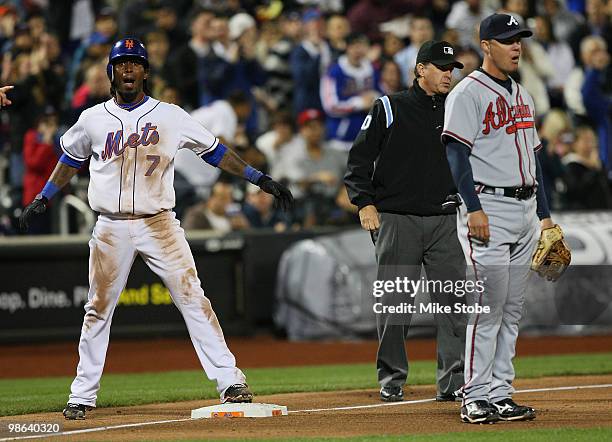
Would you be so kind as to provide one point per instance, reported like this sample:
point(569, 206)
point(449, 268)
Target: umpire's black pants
point(404, 244)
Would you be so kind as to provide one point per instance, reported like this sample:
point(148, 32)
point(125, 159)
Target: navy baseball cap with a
point(502, 27)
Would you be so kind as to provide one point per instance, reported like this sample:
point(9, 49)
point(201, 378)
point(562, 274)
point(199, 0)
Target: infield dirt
point(565, 408)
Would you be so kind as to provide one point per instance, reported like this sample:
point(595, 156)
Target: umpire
point(399, 178)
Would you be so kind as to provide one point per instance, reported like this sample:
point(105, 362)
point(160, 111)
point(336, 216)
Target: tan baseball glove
point(553, 255)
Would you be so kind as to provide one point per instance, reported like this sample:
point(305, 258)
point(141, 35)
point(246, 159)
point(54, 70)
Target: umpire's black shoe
point(455, 396)
point(237, 393)
point(75, 411)
point(391, 394)
point(479, 412)
point(509, 410)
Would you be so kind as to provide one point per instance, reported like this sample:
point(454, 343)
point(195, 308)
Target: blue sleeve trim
point(214, 157)
point(388, 112)
point(458, 155)
point(49, 190)
point(70, 161)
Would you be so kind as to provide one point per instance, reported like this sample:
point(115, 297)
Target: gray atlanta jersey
point(132, 153)
point(497, 126)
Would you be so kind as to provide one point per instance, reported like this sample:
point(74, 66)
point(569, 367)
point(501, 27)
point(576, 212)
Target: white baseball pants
point(161, 243)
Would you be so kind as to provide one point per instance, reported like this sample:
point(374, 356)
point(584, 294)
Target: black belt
point(520, 193)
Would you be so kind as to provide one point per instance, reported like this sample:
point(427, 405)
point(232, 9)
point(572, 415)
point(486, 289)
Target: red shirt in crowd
point(40, 160)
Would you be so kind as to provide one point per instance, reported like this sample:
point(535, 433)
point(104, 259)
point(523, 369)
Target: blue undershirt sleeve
point(458, 155)
point(542, 209)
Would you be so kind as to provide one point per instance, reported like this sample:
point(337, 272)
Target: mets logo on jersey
point(505, 116)
point(113, 141)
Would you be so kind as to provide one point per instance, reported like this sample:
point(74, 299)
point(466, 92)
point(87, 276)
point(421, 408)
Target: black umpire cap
point(502, 27)
point(440, 53)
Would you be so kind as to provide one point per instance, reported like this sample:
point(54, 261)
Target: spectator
point(519, 9)
point(158, 48)
point(598, 104)
point(535, 69)
point(259, 211)
point(560, 55)
point(465, 17)
point(597, 24)
point(94, 90)
point(316, 172)
point(220, 34)
point(391, 78)
point(200, 73)
point(348, 90)
point(556, 136)
point(421, 30)
point(221, 118)
point(309, 60)
point(245, 70)
point(587, 185)
point(39, 157)
point(337, 29)
point(590, 50)
point(470, 60)
point(276, 63)
point(166, 20)
point(279, 142)
point(563, 21)
point(392, 45)
point(93, 49)
point(365, 16)
point(218, 213)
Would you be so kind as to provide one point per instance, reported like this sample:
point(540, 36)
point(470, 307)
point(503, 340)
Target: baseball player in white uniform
point(131, 141)
point(491, 140)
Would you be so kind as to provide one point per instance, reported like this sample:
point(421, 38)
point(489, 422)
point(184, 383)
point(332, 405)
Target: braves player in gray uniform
point(491, 140)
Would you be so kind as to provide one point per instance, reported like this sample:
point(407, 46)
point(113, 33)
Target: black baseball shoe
point(237, 393)
point(509, 410)
point(391, 394)
point(75, 411)
point(455, 396)
point(479, 412)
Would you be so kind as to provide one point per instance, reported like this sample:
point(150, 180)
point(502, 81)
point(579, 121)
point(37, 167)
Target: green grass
point(540, 435)
point(21, 396)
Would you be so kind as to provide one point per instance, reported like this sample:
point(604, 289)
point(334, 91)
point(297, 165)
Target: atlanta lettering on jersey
point(506, 116)
point(149, 136)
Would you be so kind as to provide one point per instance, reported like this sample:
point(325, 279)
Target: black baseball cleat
point(237, 393)
point(455, 396)
point(479, 412)
point(508, 410)
point(391, 394)
point(75, 411)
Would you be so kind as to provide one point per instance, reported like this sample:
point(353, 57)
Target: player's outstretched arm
point(61, 175)
point(232, 163)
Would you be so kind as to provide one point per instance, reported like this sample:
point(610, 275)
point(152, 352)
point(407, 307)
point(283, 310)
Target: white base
point(239, 410)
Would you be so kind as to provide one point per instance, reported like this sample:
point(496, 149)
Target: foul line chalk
point(356, 407)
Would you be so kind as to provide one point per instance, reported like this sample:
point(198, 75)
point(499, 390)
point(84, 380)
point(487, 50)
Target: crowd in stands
point(287, 84)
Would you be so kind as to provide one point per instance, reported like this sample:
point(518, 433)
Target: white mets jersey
point(132, 153)
point(497, 126)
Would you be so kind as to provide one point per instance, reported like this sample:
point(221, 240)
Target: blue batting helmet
point(127, 47)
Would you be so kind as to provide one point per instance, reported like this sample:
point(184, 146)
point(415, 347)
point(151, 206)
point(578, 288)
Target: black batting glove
point(36, 207)
point(282, 196)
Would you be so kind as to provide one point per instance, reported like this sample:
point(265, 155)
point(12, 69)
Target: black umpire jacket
point(397, 161)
